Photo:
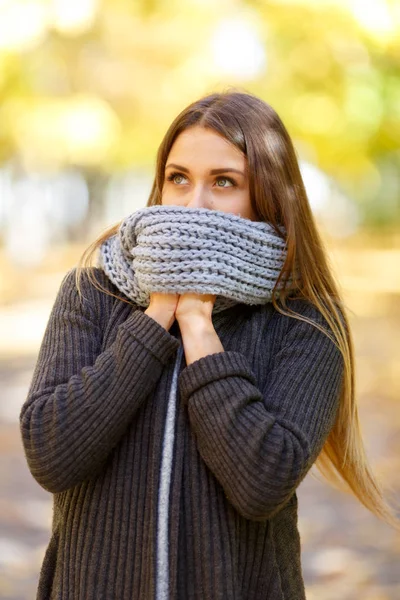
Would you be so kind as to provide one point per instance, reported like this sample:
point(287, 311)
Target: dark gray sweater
point(250, 422)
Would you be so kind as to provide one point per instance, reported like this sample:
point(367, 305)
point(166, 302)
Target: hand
point(162, 308)
point(195, 305)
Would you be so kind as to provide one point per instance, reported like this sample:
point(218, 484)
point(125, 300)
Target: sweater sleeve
point(260, 444)
point(81, 400)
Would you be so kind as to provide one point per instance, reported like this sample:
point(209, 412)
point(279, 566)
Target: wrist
point(195, 324)
point(161, 317)
point(199, 337)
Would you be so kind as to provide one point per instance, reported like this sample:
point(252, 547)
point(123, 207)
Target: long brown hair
point(278, 196)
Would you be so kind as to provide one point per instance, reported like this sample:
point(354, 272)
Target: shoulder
point(85, 280)
point(91, 287)
point(307, 326)
point(308, 311)
point(296, 312)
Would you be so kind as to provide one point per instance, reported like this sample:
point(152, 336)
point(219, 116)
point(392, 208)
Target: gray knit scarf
point(174, 249)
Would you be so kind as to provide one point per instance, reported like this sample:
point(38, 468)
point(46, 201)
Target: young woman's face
point(204, 170)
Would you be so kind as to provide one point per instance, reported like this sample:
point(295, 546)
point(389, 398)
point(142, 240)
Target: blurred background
point(87, 91)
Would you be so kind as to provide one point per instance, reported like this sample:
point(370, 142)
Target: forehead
point(201, 143)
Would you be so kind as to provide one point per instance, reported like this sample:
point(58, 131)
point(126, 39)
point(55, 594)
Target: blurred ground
point(348, 553)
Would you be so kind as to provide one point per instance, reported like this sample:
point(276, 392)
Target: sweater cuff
point(213, 367)
point(152, 335)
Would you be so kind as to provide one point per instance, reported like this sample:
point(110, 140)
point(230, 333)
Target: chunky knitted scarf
point(174, 249)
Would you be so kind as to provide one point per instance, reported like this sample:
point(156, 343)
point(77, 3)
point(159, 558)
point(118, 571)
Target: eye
point(173, 176)
point(177, 178)
point(230, 181)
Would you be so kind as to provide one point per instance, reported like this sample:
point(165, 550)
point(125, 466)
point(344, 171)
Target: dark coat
point(250, 422)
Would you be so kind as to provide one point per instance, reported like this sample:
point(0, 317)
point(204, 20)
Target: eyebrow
point(212, 172)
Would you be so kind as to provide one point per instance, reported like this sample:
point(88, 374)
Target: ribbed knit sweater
point(249, 423)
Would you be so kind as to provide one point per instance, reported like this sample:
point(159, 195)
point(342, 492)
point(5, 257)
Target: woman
point(187, 383)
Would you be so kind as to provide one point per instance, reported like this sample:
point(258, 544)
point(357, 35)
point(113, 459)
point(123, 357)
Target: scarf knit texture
point(174, 249)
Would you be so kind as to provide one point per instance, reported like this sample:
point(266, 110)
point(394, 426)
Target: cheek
point(165, 195)
point(244, 208)
point(168, 198)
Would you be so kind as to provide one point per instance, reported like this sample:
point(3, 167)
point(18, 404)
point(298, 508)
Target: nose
point(198, 197)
